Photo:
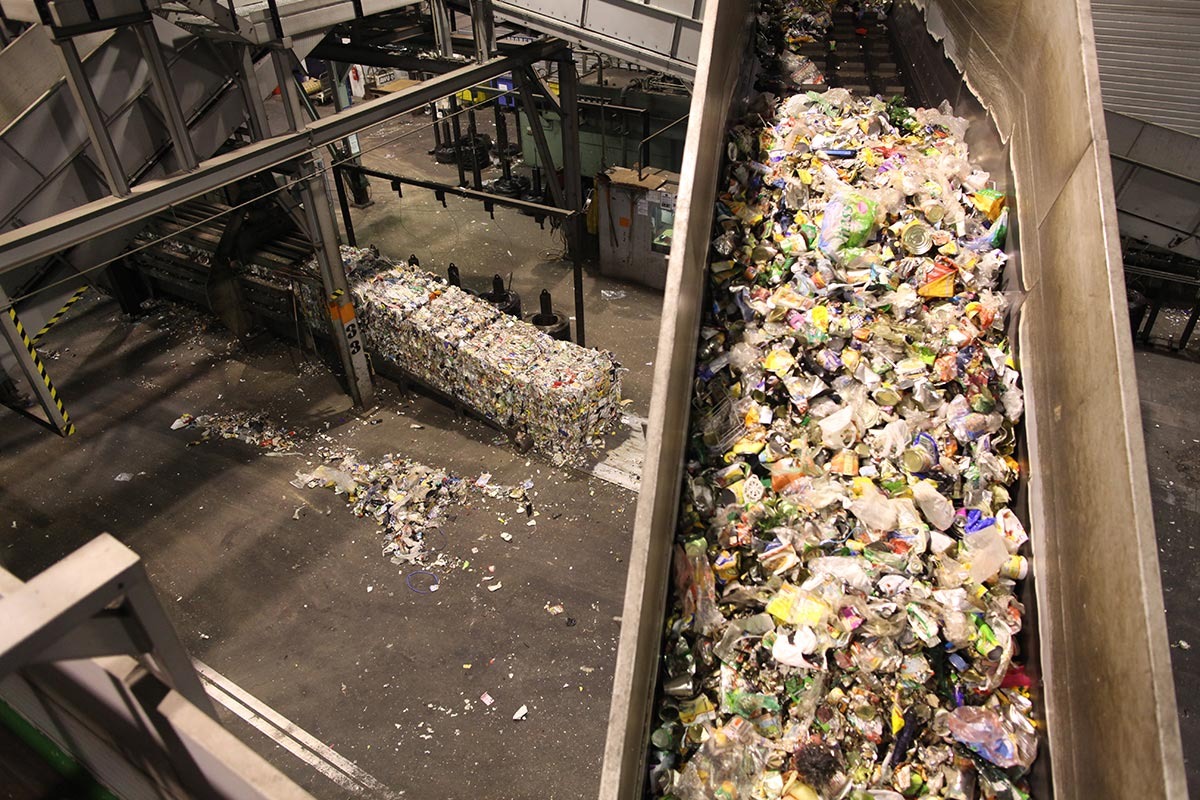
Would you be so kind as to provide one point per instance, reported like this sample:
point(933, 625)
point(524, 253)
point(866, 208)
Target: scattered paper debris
point(522, 713)
point(486, 699)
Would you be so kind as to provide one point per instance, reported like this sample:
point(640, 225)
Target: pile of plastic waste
point(844, 622)
point(255, 429)
point(407, 499)
point(561, 396)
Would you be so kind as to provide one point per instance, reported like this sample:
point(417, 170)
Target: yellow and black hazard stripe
point(41, 368)
point(50, 323)
point(337, 295)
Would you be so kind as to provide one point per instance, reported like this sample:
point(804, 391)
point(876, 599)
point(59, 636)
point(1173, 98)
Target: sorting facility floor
point(285, 593)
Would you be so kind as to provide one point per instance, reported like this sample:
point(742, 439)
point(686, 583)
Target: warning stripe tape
point(337, 294)
point(50, 323)
point(41, 368)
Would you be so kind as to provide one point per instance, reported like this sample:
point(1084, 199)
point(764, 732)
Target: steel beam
point(69, 594)
point(256, 111)
point(93, 119)
point(568, 87)
point(537, 83)
point(343, 324)
point(524, 206)
point(539, 138)
point(168, 100)
point(25, 353)
point(441, 26)
point(45, 237)
point(483, 29)
point(371, 57)
point(339, 181)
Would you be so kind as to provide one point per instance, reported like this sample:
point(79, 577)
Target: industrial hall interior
point(615, 399)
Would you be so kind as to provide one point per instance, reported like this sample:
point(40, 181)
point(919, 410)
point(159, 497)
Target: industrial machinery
point(636, 223)
point(1100, 644)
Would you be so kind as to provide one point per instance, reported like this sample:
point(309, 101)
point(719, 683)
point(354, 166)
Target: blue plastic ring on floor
point(408, 580)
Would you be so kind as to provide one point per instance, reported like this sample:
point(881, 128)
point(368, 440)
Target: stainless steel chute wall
point(1112, 729)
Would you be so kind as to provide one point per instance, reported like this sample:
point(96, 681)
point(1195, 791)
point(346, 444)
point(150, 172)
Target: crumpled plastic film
point(256, 429)
point(408, 500)
point(562, 396)
point(847, 560)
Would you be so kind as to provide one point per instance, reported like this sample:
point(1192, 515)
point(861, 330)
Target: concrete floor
point(1169, 385)
point(305, 614)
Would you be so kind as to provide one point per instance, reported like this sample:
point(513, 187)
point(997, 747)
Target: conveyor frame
point(1111, 722)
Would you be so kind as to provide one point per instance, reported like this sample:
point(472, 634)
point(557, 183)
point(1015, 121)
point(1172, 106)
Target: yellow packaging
point(795, 606)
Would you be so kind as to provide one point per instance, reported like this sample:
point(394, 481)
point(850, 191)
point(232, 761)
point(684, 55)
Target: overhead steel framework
point(297, 155)
point(43, 238)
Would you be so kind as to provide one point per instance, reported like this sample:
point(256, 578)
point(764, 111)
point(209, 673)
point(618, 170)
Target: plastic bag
point(697, 585)
point(873, 508)
point(938, 510)
point(849, 221)
point(988, 734)
point(727, 765)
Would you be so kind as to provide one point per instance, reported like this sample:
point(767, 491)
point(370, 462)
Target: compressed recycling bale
point(562, 396)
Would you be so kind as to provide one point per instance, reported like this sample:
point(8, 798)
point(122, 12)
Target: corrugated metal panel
point(660, 34)
point(1149, 54)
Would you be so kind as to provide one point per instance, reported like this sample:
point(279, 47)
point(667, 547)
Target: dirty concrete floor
point(1169, 385)
point(304, 613)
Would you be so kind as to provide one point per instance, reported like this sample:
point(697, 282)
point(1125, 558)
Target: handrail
point(642, 144)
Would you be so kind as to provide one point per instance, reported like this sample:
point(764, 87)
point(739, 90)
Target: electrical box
point(636, 223)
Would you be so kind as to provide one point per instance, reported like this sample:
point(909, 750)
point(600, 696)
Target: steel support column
point(456, 127)
point(568, 88)
point(247, 80)
point(483, 28)
point(342, 321)
point(164, 88)
point(442, 31)
point(93, 119)
point(360, 189)
point(25, 353)
point(287, 86)
point(539, 138)
point(568, 95)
